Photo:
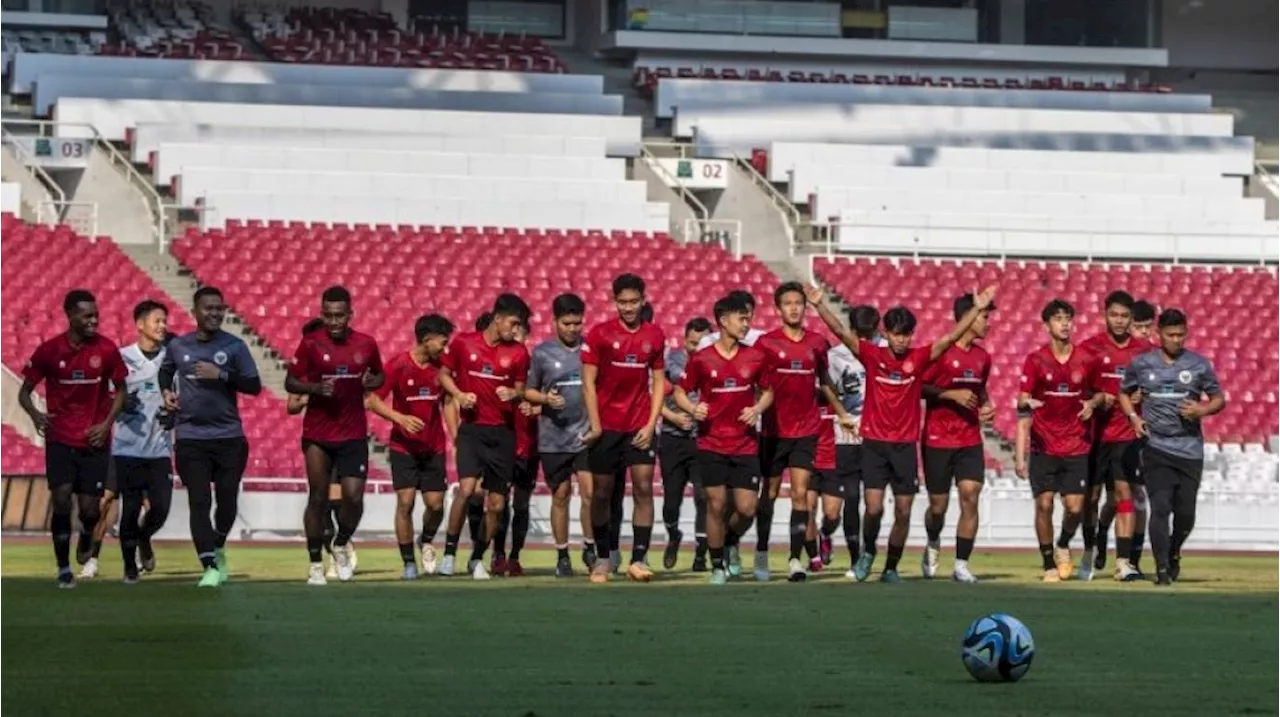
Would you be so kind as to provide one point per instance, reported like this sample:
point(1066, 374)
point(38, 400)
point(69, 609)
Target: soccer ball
point(998, 648)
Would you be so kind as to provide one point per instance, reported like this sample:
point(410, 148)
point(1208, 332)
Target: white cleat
point(332, 572)
point(1086, 566)
point(1125, 571)
point(316, 575)
point(342, 556)
point(929, 561)
point(479, 571)
point(410, 572)
point(795, 571)
point(90, 569)
point(762, 566)
point(851, 575)
point(428, 559)
point(961, 573)
point(446, 565)
point(351, 550)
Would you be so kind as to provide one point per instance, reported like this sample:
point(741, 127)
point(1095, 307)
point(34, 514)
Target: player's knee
point(433, 501)
point(404, 508)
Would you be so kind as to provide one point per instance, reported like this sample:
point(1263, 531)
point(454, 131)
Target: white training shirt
point(711, 338)
point(138, 433)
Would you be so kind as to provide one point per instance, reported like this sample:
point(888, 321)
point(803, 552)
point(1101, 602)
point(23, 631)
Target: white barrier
point(113, 118)
point(648, 217)
point(147, 137)
point(197, 182)
point(693, 94)
point(173, 159)
point(51, 88)
point(27, 66)
point(11, 197)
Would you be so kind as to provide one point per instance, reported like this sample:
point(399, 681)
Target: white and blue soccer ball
point(998, 648)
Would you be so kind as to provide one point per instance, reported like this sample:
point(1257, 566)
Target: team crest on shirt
point(95, 362)
point(1184, 376)
point(358, 357)
point(220, 358)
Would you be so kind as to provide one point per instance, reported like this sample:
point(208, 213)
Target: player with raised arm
point(1172, 381)
point(957, 405)
point(524, 478)
point(791, 426)
point(484, 372)
point(678, 453)
point(891, 419)
point(1055, 391)
point(622, 388)
point(417, 438)
point(81, 368)
point(732, 384)
point(555, 385)
point(1116, 450)
point(201, 377)
point(334, 368)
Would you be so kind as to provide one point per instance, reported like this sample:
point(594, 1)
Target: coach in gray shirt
point(1169, 383)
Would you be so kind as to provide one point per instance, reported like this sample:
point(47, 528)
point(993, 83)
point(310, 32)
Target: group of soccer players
point(728, 412)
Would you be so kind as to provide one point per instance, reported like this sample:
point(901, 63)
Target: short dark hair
point(336, 293)
point(568, 305)
point(1143, 311)
point(899, 320)
point(646, 313)
point(746, 297)
point(732, 303)
point(1171, 317)
point(312, 325)
point(787, 288)
point(432, 324)
point(700, 324)
point(146, 306)
point(77, 296)
point(511, 305)
point(863, 320)
point(1055, 307)
point(964, 303)
point(1118, 298)
point(628, 281)
point(206, 291)
point(483, 320)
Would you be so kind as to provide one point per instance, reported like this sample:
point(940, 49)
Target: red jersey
point(340, 417)
point(481, 368)
point(1110, 362)
point(891, 413)
point(796, 368)
point(947, 424)
point(81, 383)
point(1056, 428)
point(824, 459)
point(727, 386)
point(415, 391)
point(624, 360)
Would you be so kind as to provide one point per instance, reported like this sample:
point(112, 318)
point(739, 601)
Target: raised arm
point(817, 297)
point(981, 300)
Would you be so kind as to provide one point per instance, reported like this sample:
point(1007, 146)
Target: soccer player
point(792, 424)
point(622, 380)
point(200, 376)
point(891, 419)
point(141, 446)
point(555, 385)
point(334, 368)
point(81, 368)
point(1172, 382)
point(957, 406)
point(417, 438)
point(753, 334)
point(732, 381)
point(1115, 446)
point(515, 515)
point(678, 451)
point(1055, 390)
point(1144, 315)
point(484, 372)
point(841, 489)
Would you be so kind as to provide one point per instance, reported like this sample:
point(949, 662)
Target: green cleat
point(718, 577)
point(890, 576)
point(862, 570)
point(224, 573)
point(210, 579)
point(734, 561)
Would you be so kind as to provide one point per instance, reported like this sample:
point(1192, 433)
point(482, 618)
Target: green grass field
point(267, 644)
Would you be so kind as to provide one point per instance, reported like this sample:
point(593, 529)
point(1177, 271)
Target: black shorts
point(739, 472)
point(1115, 461)
point(1064, 475)
point(780, 454)
point(613, 452)
point(210, 460)
point(1165, 471)
point(846, 480)
point(140, 474)
point(525, 474)
point(84, 469)
point(422, 472)
point(679, 459)
point(347, 459)
point(946, 466)
point(560, 467)
point(890, 466)
point(487, 453)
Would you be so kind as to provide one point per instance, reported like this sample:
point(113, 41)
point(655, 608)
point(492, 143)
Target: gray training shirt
point(208, 409)
point(554, 365)
point(676, 361)
point(1164, 387)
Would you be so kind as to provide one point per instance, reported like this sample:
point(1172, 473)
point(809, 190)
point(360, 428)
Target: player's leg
point(1162, 484)
point(331, 523)
point(604, 458)
point(744, 500)
point(404, 480)
point(92, 472)
point(231, 458)
point(498, 468)
point(1044, 489)
point(800, 465)
point(675, 478)
point(699, 518)
point(1073, 487)
point(557, 471)
point(617, 501)
point(1184, 513)
point(939, 472)
point(905, 483)
point(1141, 517)
point(831, 503)
point(475, 516)
point(711, 469)
point(155, 504)
point(318, 466)
point(106, 516)
point(195, 462)
point(642, 514)
point(60, 472)
point(468, 456)
point(849, 469)
point(1107, 518)
point(131, 480)
point(811, 529)
point(876, 472)
point(1089, 515)
point(774, 456)
point(1122, 496)
point(521, 496)
point(586, 500)
point(969, 469)
point(433, 481)
point(498, 564)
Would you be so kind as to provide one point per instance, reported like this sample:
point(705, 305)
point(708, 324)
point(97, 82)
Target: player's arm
point(32, 375)
point(818, 298)
point(374, 403)
point(374, 374)
point(519, 378)
point(1195, 410)
point(1129, 390)
point(1021, 442)
point(299, 369)
point(297, 404)
point(689, 382)
point(451, 418)
point(981, 300)
point(590, 398)
point(244, 374)
point(657, 397)
point(115, 373)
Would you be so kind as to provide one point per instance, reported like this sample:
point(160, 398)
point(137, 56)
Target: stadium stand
point(182, 29)
point(20, 456)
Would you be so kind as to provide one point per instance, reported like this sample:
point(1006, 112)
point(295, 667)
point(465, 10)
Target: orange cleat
point(639, 572)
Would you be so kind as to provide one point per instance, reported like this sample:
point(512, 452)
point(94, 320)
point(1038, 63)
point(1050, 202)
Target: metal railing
point(702, 228)
point(61, 212)
point(32, 167)
point(730, 239)
point(779, 200)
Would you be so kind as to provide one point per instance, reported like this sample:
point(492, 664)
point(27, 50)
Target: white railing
point(791, 215)
point(703, 231)
point(36, 173)
point(61, 212)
